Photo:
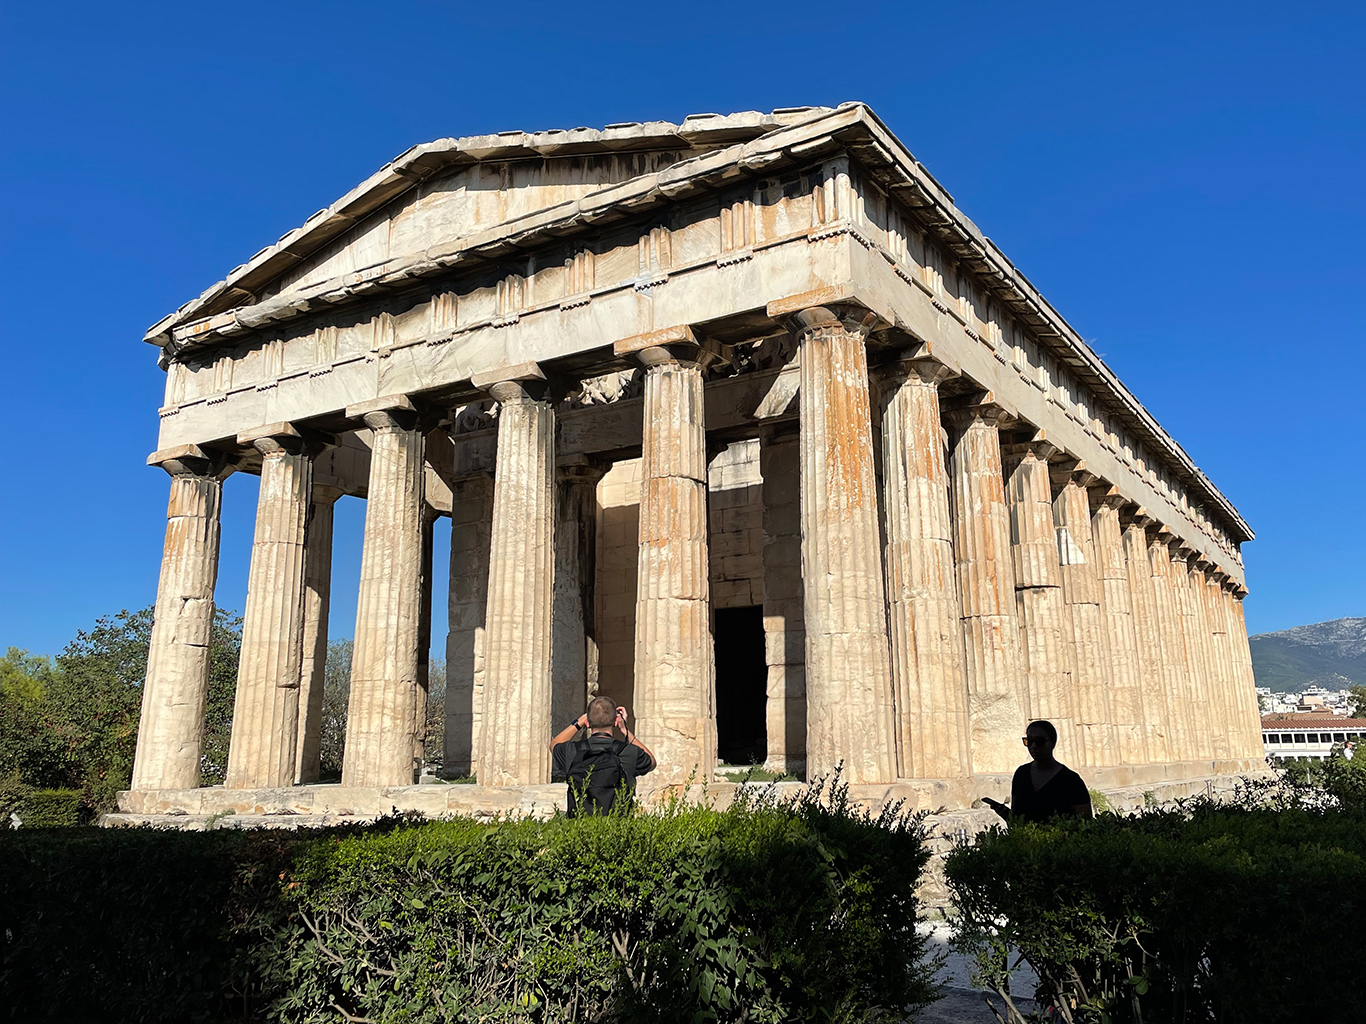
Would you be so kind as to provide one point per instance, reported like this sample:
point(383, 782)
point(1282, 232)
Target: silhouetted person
point(1044, 787)
point(600, 769)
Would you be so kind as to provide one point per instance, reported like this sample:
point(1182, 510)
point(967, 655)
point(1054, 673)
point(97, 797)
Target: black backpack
point(596, 776)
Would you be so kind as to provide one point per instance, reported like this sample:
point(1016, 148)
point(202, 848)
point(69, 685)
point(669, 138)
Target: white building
point(1311, 736)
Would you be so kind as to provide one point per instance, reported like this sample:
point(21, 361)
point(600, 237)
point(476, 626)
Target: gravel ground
point(963, 1002)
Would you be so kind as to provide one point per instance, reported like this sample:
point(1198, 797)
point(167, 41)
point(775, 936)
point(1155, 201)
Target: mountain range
point(1328, 654)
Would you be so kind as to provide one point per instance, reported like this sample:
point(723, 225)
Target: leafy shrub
point(1200, 913)
point(51, 808)
point(768, 911)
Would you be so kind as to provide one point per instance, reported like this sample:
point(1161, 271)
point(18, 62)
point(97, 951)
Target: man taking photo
point(601, 769)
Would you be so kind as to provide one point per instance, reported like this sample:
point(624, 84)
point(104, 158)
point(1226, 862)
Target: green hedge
point(765, 912)
point(1206, 912)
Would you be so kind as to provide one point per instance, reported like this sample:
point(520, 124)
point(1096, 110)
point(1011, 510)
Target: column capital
point(192, 460)
point(517, 382)
point(838, 306)
point(325, 494)
point(285, 438)
point(981, 410)
point(579, 468)
point(1103, 494)
point(679, 344)
point(1069, 470)
point(389, 412)
point(1038, 447)
point(922, 364)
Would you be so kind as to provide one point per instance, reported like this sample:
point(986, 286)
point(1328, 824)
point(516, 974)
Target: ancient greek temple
point(739, 421)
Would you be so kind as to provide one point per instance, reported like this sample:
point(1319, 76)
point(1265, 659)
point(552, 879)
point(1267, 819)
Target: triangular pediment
point(440, 192)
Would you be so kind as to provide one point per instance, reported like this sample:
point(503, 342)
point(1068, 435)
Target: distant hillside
point(1329, 654)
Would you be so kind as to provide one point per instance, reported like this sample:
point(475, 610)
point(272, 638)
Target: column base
point(331, 804)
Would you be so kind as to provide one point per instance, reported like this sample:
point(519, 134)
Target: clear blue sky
point(1183, 181)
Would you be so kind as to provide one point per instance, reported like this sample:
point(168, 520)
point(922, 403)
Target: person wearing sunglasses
point(1045, 787)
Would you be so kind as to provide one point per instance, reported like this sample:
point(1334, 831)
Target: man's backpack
point(596, 776)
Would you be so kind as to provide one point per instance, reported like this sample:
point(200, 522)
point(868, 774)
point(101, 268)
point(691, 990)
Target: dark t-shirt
point(634, 761)
point(1059, 795)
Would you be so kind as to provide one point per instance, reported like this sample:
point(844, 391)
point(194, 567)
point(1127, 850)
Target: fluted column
point(265, 720)
point(176, 686)
point(1081, 590)
point(1203, 725)
point(516, 715)
point(471, 530)
point(424, 641)
point(1123, 667)
point(1176, 685)
point(850, 714)
point(1222, 693)
point(573, 675)
point(1247, 682)
point(379, 720)
point(784, 624)
point(1044, 620)
point(1143, 604)
point(317, 602)
point(998, 704)
point(675, 699)
point(924, 614)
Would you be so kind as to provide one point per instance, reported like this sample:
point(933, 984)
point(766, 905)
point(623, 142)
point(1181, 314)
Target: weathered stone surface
point(1147, 634)
point(265, 732)
point(471, 534)
point(517, 693)
point(171, 729)
point(1044, 616)
point(997, 700)
point(574, 655)
point(317, 601)
point(674, 686)
point(848, 670)
point(382, 704)
point(1177, 687)
point(779, 245)
point(924, 613)
point(1123, 668)
point(784, 619)
point(1081, 588)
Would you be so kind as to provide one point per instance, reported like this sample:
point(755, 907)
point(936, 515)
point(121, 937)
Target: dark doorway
point(741, 686)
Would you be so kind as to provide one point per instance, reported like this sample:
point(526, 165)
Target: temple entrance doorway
point(741, 686)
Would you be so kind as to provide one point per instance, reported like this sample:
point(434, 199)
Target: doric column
point(516, 714)
point(850, 715)
point(265, 720)
point(924, 614)
point(1124, 664)
point(997, 703)
point(674, 697)
point(1176, 684)
point(471, 532)
point(1247, 683)
point(317, 602)
point(424, 641)
point(1044, 620)
point(573, 673)
point(1081, 590)
point(1203, 724)
point(1143, 605)
point(379, 719)
point(176, 685)
point(1222, 694)
point(784, 615)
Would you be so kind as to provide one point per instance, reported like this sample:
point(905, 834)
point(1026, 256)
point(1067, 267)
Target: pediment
point(440, 192)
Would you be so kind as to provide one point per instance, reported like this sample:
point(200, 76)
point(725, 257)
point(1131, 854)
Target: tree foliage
point(72, 723)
